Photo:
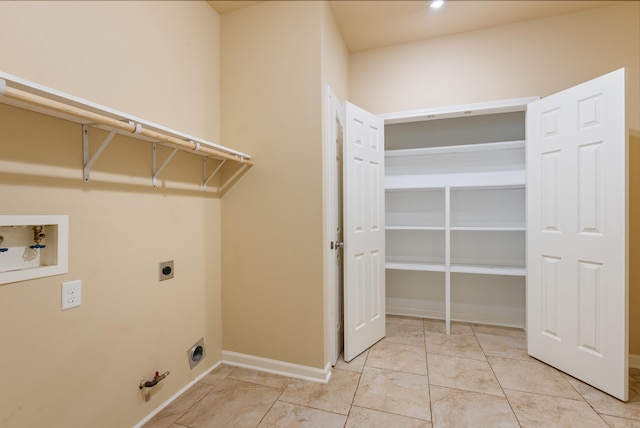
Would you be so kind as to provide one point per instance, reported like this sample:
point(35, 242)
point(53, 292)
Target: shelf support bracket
point(206, 179)
point(157, 171)
point(88, 163)
point(231, 179)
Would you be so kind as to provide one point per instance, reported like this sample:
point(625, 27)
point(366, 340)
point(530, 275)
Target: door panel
point(335, 131)
point(576, 233)
point(364, 287)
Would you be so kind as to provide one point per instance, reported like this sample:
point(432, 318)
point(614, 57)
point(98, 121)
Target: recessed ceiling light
point(436, 4)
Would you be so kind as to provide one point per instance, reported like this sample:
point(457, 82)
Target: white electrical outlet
point(71, 294)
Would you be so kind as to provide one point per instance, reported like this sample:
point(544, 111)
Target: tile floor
point(479, 376)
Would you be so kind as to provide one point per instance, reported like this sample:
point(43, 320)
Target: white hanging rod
point(121, 121)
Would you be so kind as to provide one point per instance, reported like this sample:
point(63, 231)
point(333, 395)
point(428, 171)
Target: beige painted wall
point(154, 59)
point(272, 251)
point(159, 61)
point(532, 58)
point(335, 57)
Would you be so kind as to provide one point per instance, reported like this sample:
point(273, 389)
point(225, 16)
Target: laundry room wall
point(157, 60)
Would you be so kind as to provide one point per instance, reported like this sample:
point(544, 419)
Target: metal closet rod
point(131, 127)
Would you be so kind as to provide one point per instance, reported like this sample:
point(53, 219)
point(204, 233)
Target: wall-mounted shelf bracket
point(88, 163)
point(157, 171)
point(232, 179)
point(215, 171)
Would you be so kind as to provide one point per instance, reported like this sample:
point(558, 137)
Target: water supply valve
point(38, 236)
point(146, 385)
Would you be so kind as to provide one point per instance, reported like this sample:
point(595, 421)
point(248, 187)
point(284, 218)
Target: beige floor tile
point(231, 403)
point(218, 375)
point(534, 410)
point(355, 365)
point(455, 345)
point(291, 415)
point(438, 326)
point(405, 394)
point(178, 426)
point(616, 422)
point(335, 396)
point(531, 376)
point(408, 331)
point(260, 378)
point(463, 373)
point(167, 416)
point(498, 330)
point(455, 408)
point(606, 404)
point(396, 356)
point(503, 346)
point(359, 417)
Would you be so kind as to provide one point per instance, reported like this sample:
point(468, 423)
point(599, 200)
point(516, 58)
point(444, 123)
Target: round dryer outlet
point(196, 353)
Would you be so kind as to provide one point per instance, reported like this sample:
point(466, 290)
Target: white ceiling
point(372, 24)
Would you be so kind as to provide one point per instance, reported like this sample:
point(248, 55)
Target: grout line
point(426, 357)
point(515, 415)
point(276, 400)
point(211, 388)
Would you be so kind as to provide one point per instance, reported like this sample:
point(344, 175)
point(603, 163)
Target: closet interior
point(455, 216)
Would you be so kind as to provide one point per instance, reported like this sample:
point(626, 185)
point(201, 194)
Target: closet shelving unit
point(455, 211)
point(38, 98)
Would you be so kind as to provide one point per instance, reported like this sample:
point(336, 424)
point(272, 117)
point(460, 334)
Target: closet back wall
point(530, 58)
point(158, 61)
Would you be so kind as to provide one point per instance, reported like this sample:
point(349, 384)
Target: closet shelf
point(462, 148)
point(458, 228)
point(490, 228)
point(489, 270)
point(456, 268)
point(397, 227)
point(414, 265)
point(31, 96)
point(478, 180)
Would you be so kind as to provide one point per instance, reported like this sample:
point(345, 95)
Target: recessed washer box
point(33, 246)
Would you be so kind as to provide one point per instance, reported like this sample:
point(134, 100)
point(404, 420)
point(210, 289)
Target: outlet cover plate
point(71, 294)
point(165, 270)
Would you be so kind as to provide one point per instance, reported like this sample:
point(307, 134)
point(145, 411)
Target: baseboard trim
point(176, 395)
point(277, 367)
point(487, 319)
point(634, 361)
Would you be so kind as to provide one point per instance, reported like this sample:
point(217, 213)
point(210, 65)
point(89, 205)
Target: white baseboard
point(255, 363)
point(277, 367)
point(476, 318)
point(634, 361)
point(176, 395)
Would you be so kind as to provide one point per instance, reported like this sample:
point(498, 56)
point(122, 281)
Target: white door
point(334, 154)
point(364, 280)
point(576, 233)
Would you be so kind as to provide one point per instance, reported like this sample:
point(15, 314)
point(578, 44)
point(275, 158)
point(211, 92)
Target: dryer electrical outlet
point(165, 270)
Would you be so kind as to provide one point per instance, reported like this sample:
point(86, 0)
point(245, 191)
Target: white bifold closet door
point(364, 239)
point(577, 233)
